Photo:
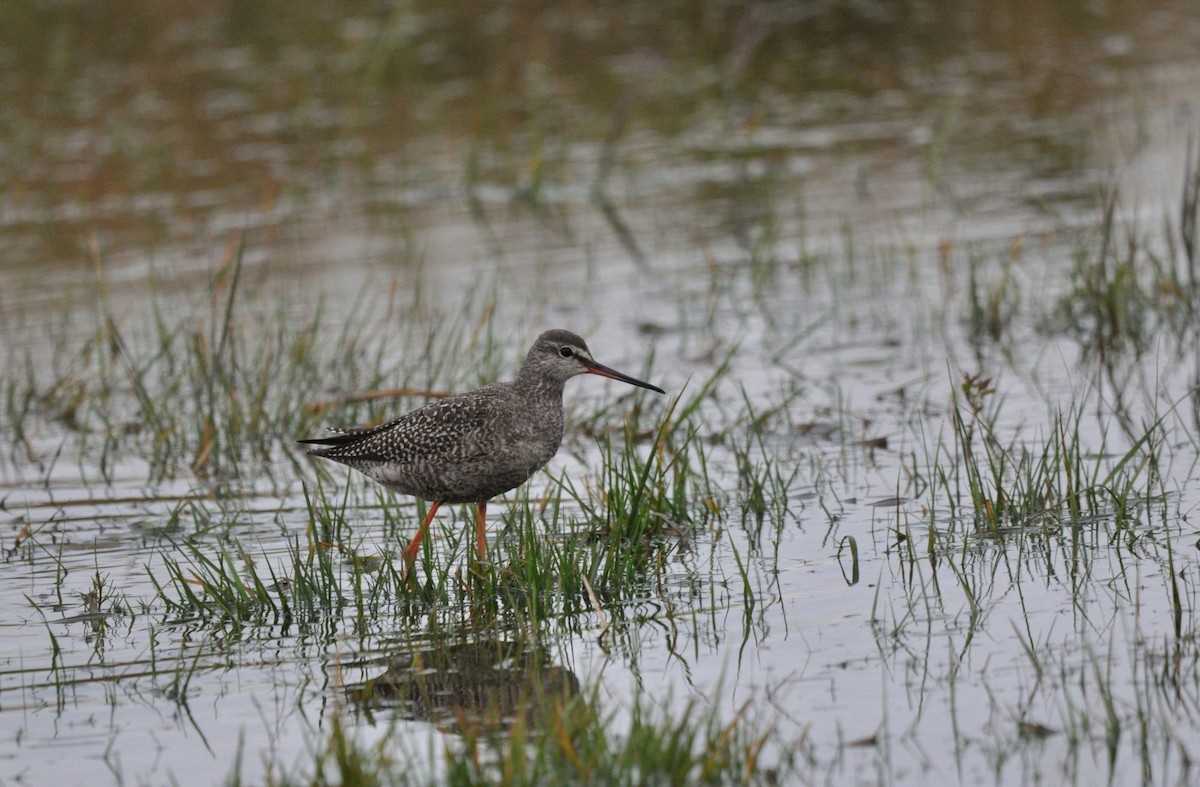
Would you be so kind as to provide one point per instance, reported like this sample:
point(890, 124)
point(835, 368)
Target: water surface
point(850, 208)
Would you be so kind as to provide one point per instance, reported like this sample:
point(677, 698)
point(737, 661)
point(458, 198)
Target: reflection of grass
point(1083, 685)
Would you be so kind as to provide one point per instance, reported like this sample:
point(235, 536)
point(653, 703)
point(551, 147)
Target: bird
point(476, 445)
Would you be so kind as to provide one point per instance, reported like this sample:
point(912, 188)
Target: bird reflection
point(490, 683)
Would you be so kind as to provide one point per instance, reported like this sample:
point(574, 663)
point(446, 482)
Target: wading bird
point(473, 446)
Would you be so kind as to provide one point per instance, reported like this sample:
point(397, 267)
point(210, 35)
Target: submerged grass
point(1013, 486)
point(1133, 288)
point(215, 394)
point(579, 550)
point(609, 536)
point(566, 738)
point(218, 392)
point(314, 581)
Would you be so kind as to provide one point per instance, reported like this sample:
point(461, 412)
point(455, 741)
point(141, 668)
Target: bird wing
point(454, 429)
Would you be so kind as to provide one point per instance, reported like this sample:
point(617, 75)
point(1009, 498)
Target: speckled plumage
point(476, 445)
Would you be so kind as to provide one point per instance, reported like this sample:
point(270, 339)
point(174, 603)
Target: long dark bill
point(612, 374)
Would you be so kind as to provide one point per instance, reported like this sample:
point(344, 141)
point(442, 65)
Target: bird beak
point(612, 374)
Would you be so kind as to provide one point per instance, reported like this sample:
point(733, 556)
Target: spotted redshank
point(476, 445)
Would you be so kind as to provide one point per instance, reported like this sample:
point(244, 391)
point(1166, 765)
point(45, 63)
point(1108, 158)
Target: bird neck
point(536, 386)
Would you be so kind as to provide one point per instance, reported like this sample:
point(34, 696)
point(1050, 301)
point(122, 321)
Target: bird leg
point(415, 545)
point(480, 538)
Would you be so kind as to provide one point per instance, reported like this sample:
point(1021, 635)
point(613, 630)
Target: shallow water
point(806, 196)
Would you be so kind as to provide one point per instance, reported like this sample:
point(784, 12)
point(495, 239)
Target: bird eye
point(566, 352)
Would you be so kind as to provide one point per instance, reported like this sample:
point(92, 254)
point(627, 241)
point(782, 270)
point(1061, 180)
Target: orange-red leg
point(480, 537)
point(414, 546)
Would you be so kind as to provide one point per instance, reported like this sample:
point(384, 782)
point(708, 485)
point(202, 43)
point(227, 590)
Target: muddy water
point(805, 188)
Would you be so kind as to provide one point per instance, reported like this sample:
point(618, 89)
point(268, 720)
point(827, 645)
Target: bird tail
point(332, 441)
